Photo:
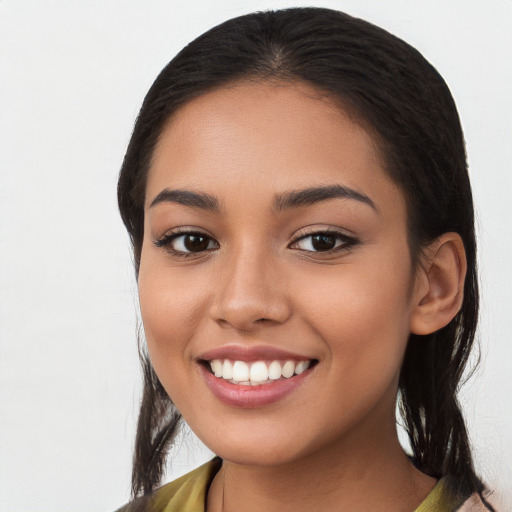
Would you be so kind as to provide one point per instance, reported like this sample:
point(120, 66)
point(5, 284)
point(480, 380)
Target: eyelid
point(319, 229)
point(348, 240)
point(181, 230)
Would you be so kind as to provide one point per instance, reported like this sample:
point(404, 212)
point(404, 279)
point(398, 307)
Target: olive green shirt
point(188, 493)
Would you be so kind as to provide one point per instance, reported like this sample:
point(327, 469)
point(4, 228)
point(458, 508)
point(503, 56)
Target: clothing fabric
point(188, 494)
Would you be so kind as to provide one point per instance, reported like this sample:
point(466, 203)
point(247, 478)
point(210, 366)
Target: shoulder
point(473, 504)
point(443, 498)
point(185, 494)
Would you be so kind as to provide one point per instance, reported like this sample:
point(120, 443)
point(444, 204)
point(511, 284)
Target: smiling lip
point(248, 354)
point(249, 397)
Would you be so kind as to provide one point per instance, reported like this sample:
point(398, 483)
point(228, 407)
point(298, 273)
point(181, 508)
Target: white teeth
point(257, 372)
point(274, 370)
point(240, 371)
point(301, 367)
point(216, 367)
point(288, 369)
point(227, 369)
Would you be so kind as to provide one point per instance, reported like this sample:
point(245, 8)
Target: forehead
point(269, 137)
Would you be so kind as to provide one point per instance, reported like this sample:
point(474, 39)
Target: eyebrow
point(309, 196)
point(285, 201)
point(187, 198)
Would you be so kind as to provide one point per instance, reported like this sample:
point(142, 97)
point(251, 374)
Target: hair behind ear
point(443, 328)
point(157, 427)
point(433, 419)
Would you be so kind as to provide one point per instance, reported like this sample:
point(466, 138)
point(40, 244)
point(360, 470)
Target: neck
point(360, 472)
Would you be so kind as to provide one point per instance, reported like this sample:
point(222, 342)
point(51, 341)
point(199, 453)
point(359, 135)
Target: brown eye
point(187, 243)
point(195, 243)
point(323, 242)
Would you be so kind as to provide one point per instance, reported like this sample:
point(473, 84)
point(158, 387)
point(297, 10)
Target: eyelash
point(167, 240)
point(346, 242)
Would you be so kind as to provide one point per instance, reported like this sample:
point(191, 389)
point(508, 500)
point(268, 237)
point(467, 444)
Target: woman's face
point(275, 241)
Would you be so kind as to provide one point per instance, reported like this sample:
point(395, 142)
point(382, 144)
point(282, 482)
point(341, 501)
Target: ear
point(439, 286)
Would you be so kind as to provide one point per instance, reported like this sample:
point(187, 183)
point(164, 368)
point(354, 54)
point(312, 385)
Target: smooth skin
point(256, 276)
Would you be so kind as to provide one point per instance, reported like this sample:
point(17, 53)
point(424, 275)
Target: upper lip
point(256, 353)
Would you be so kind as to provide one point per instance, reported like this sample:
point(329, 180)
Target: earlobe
point(439, 287)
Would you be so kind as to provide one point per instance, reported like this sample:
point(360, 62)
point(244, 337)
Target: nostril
point(248, 313)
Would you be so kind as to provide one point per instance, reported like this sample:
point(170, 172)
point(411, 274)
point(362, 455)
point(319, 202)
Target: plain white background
point(72, 77)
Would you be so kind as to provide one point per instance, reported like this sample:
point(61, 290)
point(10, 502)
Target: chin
point(252, 457)
point(258, 450)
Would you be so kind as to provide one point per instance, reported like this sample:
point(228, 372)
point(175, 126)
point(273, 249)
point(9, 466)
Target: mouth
point(255, 373)
point(253, 377)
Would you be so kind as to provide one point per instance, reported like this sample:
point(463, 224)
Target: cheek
point(172, 307)
point(363, 314)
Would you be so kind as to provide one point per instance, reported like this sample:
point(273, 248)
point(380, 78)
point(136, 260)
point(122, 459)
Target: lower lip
point(249, 397)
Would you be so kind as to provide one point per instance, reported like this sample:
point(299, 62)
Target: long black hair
point(391, 89)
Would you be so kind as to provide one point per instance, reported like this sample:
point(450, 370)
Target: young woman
point(297, 197)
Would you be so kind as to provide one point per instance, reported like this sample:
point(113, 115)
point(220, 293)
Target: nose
point(251, 292)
